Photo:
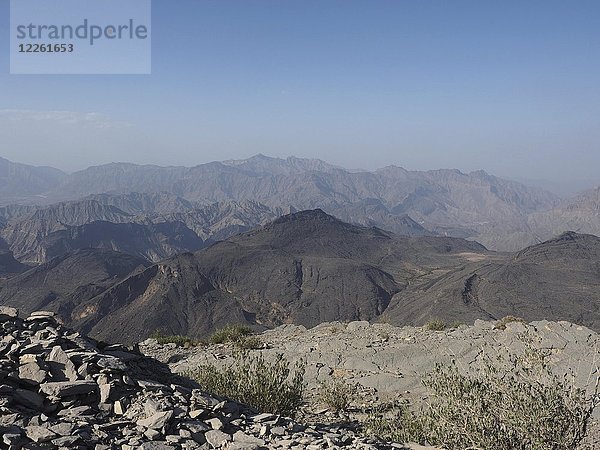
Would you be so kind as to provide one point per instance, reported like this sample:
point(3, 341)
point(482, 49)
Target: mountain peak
point(576, 246)
point(279, 166)
point(568, 236)
point(311, 215)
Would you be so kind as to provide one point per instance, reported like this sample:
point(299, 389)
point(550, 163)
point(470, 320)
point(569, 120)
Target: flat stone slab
point(39, 434)
point(157, 446)
point(156, 421)
point(68, 388)
point(216, 438)
point(32, 373)
point(61, 366)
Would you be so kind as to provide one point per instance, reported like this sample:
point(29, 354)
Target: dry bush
point(230, 334)
point(337, 394)
point(266, 386)
point(436, 325)
point(238, 335)
point(517, 404)
point(182, 341)
point(501, 324)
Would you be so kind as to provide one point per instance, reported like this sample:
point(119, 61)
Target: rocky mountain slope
point(66, 281)
point(491, 210)
point(9, 265)
point(555, 280)
point(303, 268)
point(22, 182)
point(307, 268)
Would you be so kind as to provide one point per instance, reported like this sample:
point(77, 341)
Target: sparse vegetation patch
point(436, 325)
point(517, 405)
point(182, 341)
point(268, 386)
point(238, 335)
point(337, 394)
point(501, 324)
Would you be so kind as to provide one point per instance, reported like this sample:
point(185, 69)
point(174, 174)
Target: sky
point(510, 87)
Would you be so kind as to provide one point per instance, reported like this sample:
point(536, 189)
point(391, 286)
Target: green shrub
point(337, 394)
point(238, 335)
point(183, 341)
point(266, 386)
point(249, 343)
point(230, 334)
point(394, 422)
point(435, 325)
point(501, 324)
point(519, 405)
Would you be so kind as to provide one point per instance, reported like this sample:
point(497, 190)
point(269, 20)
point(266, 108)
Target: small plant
point(337, 394)
point(238, 335)
point(182, 341)
point(394, 422)
point(518, 404)
point(266, 386)
point(249, 343)
point(230, 334)
point(456, 324)
point(435, 325)
point(501, 324)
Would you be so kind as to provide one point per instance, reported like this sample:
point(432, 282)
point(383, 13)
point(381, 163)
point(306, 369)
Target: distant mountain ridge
point(147, 229)
point(580, 213)
point(18, 181)
point(153, 242)
point(501, 214)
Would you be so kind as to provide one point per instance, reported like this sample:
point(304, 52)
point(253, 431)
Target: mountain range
point(307, 268)
point(122, 250)
point(154, 226)
point(501, 214)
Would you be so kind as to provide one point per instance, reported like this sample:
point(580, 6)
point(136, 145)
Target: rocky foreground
point(61, 390)
point(385, 363)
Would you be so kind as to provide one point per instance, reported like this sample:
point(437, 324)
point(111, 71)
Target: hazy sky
point(509, 86)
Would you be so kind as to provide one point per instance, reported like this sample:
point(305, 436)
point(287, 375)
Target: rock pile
point(61, 390)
